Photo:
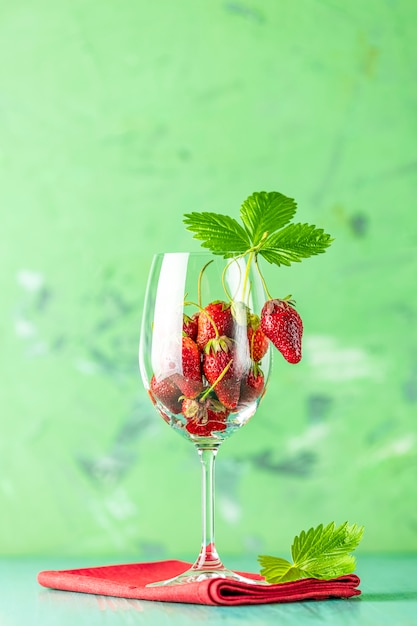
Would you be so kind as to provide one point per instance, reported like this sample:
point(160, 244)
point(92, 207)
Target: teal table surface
point(388, 584)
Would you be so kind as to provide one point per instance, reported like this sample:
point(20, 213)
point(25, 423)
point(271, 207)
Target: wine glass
point(205, 365)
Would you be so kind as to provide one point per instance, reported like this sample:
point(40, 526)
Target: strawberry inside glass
point(204, 356)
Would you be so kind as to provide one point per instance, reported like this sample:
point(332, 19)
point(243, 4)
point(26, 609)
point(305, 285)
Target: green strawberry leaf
point(294, 243)
point(276, 570)
point(323, 552)
point(221, 234)
point(265, 212)
point(265, 232)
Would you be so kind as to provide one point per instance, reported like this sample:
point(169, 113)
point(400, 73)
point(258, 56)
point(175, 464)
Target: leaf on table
point(323, 552)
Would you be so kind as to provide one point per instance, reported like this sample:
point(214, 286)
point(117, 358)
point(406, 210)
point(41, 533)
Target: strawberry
point(214, 320)
point(190, 325)
point(167, 392)
point(252, 387)
point(258, 341)
point(220, 371)
point(190, 381)
point(283, 326)
point(204, 416)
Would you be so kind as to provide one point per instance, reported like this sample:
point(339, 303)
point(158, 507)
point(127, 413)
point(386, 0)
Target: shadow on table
point(389, 597)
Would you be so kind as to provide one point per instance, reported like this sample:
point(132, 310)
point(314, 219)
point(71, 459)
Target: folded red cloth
point(130, 580)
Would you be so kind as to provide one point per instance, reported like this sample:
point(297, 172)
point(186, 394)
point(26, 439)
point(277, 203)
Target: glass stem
point(208, 558)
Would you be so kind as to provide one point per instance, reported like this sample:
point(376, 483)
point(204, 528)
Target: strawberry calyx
point(218, 344)
point(256, 370)
point(204, 416)
point(195, 410)
point(271, 305)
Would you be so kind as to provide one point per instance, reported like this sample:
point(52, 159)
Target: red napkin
point(129, 581)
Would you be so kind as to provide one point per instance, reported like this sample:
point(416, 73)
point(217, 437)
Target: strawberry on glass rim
point(208, 325)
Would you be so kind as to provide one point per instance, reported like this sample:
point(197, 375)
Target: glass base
point(207, 566)
point(193, 575)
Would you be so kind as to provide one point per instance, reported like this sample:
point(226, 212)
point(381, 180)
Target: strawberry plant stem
point(226, 291)
point(262, 278)
point(200, 276)
point(246, 279)
point(253, 256)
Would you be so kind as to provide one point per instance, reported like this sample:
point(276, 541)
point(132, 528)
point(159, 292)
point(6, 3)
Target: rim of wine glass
point(197, 253)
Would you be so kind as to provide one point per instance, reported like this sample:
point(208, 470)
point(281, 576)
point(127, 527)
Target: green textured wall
point(118, 117)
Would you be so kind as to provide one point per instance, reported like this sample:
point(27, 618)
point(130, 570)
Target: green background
point(115, 119)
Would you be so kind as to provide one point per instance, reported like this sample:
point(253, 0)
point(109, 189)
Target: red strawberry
point(190, 381)
point(167, 392)
point(204, 417)
point(283, 326)
point(252, 386)
point(190, 325)
point(258, 341)
point(220, 372)
point(214, 320)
